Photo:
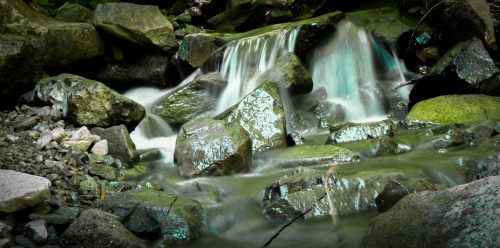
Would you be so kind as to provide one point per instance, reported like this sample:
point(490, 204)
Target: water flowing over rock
point(158, 214)
point(56, 42)
point(465, 215)
point(20, 190)
point(96, 228)
point(262, 115)
point(212, 147)
point(141, 24)
point(356, 132)
point(88, 102)
point(457, 109)
point(195, 99)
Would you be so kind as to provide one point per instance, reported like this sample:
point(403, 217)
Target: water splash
point(346, 67)
point(246, 59)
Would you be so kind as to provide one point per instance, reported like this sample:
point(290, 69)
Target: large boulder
point(141, 24)
point(290, 73)
point(120, 144)
point(262, 115)
point(157, 214)
point(20, 190)
point(87, 102)
point(456, 109)
point(19, 68)
point(192, 100)
point(56, 42)
point(96, 228)
point(463, 216)
point(212, 147)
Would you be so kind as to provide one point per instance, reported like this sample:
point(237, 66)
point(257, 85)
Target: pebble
point(44, 140)
point(37, 231)
point(11, 138)
point(100, 148)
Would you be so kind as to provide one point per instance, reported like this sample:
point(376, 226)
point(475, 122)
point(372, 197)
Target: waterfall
point(246, 59)
point(346, 68)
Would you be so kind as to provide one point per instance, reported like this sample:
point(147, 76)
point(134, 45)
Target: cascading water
point(345, 67)
point(246, 59)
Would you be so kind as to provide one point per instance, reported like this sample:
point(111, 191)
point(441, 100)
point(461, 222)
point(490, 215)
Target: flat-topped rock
point(21, 190)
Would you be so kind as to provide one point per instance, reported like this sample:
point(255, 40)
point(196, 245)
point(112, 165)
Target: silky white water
point(346, 67)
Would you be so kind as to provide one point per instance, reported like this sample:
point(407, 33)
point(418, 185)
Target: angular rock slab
point(21, 190)
point(142, 24)
point(262, 115)
point(158, 214)
point(120, 144)
point(212, 147)
point(463, 216)
point(96, 228)
point(356, 132)
point(457, 109)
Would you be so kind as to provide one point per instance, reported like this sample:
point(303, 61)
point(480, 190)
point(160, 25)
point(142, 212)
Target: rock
point(100, 148)
point(24, 242)
point(96, 228)
point(457, 109)
point(44, 140)
point(356, 132)
point(300, 190)
point(103, 171)
point(74, 13)
point(147, 70)
point(26, 123)
point(191, 101)
point(463, 20)
point(63, 216)
point(87, 102)
point(141, 24)
point(37, 231)
point(197, 48)
point(469, 61)
point(11, 138)
point(462, 216)
point(385, 145)
point(492, 144)
point(479, 133)
point(56, 42)
point(474, 169)
point(82, 133)
point(88, 187)
point(393, 192)
point(19, 68)
point(5, 242)
point(157, 214)
point(20, 190)
point(4, 230)
point(289, 72)
point(199, 11)
point(120, 144)
point(212, 147)
point(262, 115)
point(307, 155)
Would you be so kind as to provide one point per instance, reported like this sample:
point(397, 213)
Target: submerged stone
point(463, 216)
point(456, 109)
point(212, 147)
point(158, 215)
point(262, 115)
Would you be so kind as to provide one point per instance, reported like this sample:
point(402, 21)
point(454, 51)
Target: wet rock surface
point(356, 132)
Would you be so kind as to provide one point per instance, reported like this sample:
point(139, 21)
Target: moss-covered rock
point(462, 216)
point(457, 109)
point(290, 73)
point(262, 115)
point(74, 13)
point(197, 48)
point(157, 215)
point(192, 100)
point(141, 24)
point(56, 42)
point(212, 147)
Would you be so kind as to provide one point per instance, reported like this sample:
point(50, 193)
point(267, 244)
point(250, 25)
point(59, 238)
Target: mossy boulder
point(193, 100)
point(462, 216)
point(457, 109)
point(141, 24)
point(212, 147)
point(88, 103)
point(56, 42)
point(289, 73)
point(157, 215)
point(262, 115)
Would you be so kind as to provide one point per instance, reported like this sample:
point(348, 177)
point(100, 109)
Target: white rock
point(21, 190)
point(58, 134)
point(44, 140)
point(11, 138)
point(100, 148)
point(81, 134)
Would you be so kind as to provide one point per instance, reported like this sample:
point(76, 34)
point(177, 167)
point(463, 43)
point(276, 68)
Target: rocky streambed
point(309, 123)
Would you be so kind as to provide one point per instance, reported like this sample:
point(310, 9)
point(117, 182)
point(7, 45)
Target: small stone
point(102, 171)
point(11, 138)
point(4, 243)
point(26, 123)
point(4, 230)
point(52, 177)
point(44, 140)
point(79, 144)
point(37, 231)
point(25, 242)
point(58, 134)
point(100, 148)
point(393, 192)
point(81, 134)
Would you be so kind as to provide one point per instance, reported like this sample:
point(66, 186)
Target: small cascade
point(246, 59)
point(347, 68)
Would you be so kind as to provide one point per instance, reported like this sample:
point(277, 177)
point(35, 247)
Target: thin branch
point(421, 20)
point(293, 220)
